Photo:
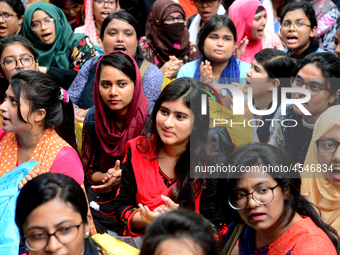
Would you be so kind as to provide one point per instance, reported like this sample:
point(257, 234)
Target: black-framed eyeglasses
point(36, 26)
point(261, 195)
point(208, 2)
point(313, 87)
point(171, 20)
point(12, 63)
point(64, 235)
point(327, 145)
point(7, 16)
point(101, 3)
point(295, 25)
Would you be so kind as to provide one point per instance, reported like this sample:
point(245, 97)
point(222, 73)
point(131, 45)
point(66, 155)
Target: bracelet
point(79, 112)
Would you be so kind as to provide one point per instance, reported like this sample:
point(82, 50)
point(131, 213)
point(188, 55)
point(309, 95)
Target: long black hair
point(264, 154)
point(180, 224)
point(17, 6)
point(42, 92)
point(198, 150)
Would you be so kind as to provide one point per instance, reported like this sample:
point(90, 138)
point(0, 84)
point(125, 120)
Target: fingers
point(28, 177)
point(117, 165)
point(146, 214)
point(171, 204)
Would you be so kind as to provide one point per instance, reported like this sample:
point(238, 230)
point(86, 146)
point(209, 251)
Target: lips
point(104, 14)
point(257, 216)
point(4, 119)
point(219, 51)
point(47, 37)
point(3, 29)
point(291, 39)
point(336, 173)
point(114, 101)
point(120, 47)
point(167, 133)
point(205, 14)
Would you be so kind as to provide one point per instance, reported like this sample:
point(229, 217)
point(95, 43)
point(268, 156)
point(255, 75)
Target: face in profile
point(16, 57)
point(116, 90)
point(174, 122)
point(329, 154)
point(58, 218)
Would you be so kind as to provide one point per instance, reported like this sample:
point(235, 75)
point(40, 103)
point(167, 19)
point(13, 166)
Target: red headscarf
point(111, 139)
point(242, 13)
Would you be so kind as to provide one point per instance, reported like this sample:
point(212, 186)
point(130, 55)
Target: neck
point(218, 68)
point(18, 30)
point(266, 237)
point(29, 140)
point(296, 53)
point(98, 26)
point(263, 101)
point(311, 119)
point(173, 151)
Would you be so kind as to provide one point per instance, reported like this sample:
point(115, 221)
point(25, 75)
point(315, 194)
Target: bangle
point(79, 112)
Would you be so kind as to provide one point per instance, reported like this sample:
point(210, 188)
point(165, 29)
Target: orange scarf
point(45, 151)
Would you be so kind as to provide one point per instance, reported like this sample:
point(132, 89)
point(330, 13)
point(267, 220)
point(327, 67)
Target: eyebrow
point(296, 19)
point(40, 227)
point(12, 56)
point(315, 81)
point(256, 66)
point(254, 186)
point(175, 111)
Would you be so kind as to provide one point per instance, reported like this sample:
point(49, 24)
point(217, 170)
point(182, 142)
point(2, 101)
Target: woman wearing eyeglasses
point(166, 44)
point(321, 180)
point(95, 13)
point(278, 220)
point(11, 15)
point(298, 28)
point(61, 52)
point(316, 73)
point(52, 217)
point(16, 53)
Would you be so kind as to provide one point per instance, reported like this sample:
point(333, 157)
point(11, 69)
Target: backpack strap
point(190, 19)
point(143, 67)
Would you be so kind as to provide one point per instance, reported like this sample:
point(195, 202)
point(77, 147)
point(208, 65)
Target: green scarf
point(54, 54)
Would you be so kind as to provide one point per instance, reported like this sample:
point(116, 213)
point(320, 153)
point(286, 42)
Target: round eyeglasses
point(12, 63)
point(261, 195)
point(36, 26)
point(208, 2)
point(295, 25)
point(327, 145)
point(171, 20)
point(40, 240)
point(101, 3)
point(313, 87)
point(7, 16)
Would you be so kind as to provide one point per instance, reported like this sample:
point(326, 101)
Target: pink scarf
point(242, 13)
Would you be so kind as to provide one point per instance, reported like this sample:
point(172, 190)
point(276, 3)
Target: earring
point(87, 234)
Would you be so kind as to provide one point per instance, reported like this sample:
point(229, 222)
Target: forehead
point(295, 15)
point(15, 49)
point(112, 74)
point(333, 132)
point(262, 13)
point(5, 7)
point(175, 14)
point(176, 106)
point(222, 31)
point(250, 179)
point(310, 71)
point(39, 14)
point(119, 24)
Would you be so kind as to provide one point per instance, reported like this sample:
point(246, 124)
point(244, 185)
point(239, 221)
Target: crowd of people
point(131, 107)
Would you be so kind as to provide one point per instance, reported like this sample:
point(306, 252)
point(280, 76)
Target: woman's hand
point(28, 177)
point(111, 180)
point(148, 216)
point(171, 68)
point(206, 73)
point(42, 69)
point(241, 47)
point(80, 114)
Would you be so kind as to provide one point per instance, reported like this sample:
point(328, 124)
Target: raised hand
point(111, 180)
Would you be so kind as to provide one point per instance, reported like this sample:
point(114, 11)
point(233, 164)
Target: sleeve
point(314, 245)
point(187, 70)
point(67, 162)
point(64, 77)
point(152, 82)
point(89, 154)
point(125, 204)
point(81, 53)
point(79, 82)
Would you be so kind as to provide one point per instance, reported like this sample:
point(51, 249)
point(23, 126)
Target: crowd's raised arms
point(191, 127)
